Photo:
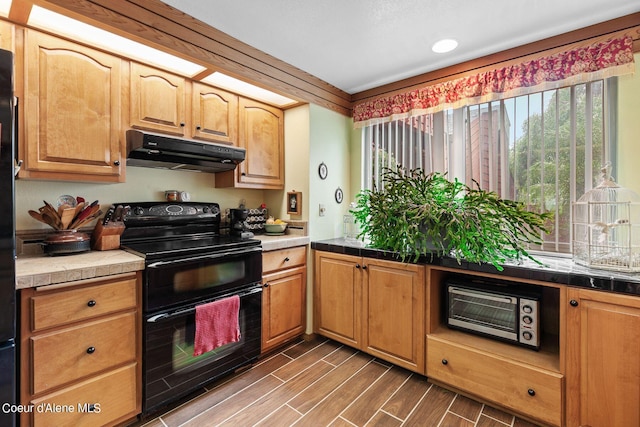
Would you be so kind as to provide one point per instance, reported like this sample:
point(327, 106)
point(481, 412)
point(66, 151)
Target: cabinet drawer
point(525, 389)
point(64, 356)
point(65, 306)
point(284, 258)
point(114, 395)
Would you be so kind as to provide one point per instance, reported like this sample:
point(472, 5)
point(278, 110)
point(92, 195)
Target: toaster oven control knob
point(527, 335)
point(527, 319)
point(527, 309)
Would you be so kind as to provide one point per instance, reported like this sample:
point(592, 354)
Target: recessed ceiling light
point(444, 45)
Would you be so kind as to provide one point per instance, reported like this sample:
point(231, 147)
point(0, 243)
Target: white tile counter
point(272, 243)
point(32, 271)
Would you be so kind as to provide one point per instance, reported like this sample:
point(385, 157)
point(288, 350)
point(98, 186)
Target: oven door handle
point(166, 316)
point(205, 257)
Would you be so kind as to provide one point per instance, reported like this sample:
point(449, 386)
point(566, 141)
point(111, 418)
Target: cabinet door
point(215, 114)
point(284, 308)
point(261, 133)
point(393, 307)
point(157, 100)
point(72, 112)
point(603, 359)
point(337, 297)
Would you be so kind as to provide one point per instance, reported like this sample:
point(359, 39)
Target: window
point(543, 149)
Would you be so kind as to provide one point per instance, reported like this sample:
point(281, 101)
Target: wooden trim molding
point(159, 25)
point(630, 23)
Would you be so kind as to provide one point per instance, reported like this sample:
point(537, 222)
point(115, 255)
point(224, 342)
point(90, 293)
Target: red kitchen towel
point(216, 324)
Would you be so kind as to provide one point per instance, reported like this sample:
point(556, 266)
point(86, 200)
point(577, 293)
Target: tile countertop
point(272, 243)
point(41, 270)
point(559, 270)
point(33, 271)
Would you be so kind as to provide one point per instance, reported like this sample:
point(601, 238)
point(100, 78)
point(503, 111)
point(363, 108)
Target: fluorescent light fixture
point(76, 30)
point(444, 45)
point(234, 85)
point(5, 7)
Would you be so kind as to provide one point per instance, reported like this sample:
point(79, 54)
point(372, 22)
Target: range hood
point(155, 150)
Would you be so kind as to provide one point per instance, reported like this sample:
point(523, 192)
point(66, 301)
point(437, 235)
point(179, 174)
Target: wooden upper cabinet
point(261, 133)
point(71, 112)
point(215, 114)
point(157, 100)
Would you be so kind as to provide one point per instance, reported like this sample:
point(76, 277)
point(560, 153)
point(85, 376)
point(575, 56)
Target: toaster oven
point(507, 312)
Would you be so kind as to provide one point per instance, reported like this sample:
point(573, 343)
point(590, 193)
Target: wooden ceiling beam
point(159, 25)
point(628, 22)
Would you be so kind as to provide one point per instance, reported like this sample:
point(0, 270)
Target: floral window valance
point(604, 58)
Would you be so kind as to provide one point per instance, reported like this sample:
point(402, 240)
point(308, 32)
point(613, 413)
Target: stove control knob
point(215, 210)
point(138, 210)
point(205, 209)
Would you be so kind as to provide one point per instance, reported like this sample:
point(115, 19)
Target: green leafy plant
point(418, 213)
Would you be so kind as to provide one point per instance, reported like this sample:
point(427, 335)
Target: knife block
point(106, 237)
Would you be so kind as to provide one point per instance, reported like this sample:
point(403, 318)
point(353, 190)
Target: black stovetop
point(169, 230)
point(188, 246)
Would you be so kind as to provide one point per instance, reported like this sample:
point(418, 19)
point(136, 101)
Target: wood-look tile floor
point(323, 383)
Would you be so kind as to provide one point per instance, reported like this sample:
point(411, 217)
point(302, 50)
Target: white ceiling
point(359, 44)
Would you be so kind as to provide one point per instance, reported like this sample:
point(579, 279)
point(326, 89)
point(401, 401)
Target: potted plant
point(418, 213)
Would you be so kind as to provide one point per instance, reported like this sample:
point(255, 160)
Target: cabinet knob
point(357, 265)
point(243, 174)
point(573, 303)
point(182, 125)
point(198, 128)
point(531, 392)
point(91, 303)
point(266, 285)
point(91, 350)
point(364, 267)
point(116, 163)
point(287, 259)
point(445, 362)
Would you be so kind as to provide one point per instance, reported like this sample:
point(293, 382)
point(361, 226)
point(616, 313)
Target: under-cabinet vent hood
point(154, 150)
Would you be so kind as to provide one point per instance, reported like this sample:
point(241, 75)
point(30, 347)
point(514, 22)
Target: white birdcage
point(606, 231)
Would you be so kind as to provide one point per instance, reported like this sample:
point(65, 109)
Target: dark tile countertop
point(559, 270)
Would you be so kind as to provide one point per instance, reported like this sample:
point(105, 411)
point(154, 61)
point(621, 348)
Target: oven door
point(177, 282)
point(170, 369)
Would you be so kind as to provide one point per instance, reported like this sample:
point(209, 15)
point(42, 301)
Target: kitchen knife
point(117, 216)
point(108, 216)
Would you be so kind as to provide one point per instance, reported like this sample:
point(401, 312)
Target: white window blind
point(543, 149)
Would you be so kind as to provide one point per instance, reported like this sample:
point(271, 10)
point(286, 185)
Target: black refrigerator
point(7, 242)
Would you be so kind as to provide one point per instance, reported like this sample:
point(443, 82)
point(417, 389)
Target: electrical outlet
point(322, 210)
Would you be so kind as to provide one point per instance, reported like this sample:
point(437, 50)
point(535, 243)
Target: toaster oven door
point(483, 312)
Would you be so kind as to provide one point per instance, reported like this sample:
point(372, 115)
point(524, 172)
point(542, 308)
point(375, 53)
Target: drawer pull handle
point(91, 303)
point(287, 259)
point(531, 392)
point(445, 362)
point(91, 350)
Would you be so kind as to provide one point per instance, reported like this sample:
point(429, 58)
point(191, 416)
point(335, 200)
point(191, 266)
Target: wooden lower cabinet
point(80, 354)
point(374, 305)
point(284, 302)
point(518, 386)
point(603, 359)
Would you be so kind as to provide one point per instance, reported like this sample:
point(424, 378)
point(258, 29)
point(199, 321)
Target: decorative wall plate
point(339, 195)
point(323, 171)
